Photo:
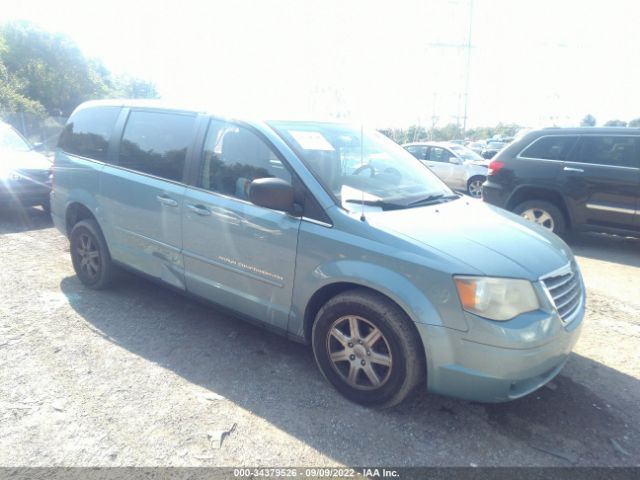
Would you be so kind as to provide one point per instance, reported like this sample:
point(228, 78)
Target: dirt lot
point(138, 375)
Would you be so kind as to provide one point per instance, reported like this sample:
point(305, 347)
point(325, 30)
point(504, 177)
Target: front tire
point(90, 255)
point(367, 348)
point(545, 214)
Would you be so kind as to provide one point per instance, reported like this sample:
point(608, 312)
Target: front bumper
point(23, 192)
point(462, 368)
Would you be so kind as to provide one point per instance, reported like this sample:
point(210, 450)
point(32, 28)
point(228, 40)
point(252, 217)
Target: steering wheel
point(393, 172)
point(362, 168)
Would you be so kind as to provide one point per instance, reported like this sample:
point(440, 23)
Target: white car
point(458, 166)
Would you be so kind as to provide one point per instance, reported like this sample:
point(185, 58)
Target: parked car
point(491, 148)
point(476, 147)
point(394, 280)
point(459, 167)
point(579, 179)
point(24, 173)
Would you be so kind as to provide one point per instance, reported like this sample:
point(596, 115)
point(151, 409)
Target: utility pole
point(461, 47)
point(466, 82)
point(434, 117)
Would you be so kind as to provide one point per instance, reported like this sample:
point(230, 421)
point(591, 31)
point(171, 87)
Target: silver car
point(459, 167)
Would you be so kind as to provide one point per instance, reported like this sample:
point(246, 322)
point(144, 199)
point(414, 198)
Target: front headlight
point(496, 298)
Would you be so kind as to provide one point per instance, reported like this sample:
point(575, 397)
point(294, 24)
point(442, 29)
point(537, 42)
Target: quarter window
point(609, 150)
point(234, 156)
point(156, 143)
point(87, 133)
point(550, 148)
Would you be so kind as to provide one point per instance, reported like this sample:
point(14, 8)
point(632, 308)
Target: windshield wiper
point(376, 203)
point(436, 198)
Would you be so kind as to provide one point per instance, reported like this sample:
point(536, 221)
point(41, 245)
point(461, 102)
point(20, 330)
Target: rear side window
point(156, 143)
point(88, 132)
point(418, 151)
point(550, 148)
point(608, 150)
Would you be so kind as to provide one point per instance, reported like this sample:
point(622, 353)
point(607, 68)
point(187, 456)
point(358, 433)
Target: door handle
point(571, 169)
point(168, 201)
point(199, 210)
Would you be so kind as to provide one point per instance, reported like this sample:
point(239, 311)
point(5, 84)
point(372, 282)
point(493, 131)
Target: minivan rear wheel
point(90, 255)
point(544, 213)
point(367, 348)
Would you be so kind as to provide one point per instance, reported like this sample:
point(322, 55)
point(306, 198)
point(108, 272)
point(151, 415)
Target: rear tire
point(545, 214)
point(377, 362)
point(90, 255)
point(474, 186)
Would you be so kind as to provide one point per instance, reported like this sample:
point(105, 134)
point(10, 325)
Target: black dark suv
point(578, 178)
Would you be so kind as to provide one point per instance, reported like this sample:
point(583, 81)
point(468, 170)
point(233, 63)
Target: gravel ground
point(138, 375)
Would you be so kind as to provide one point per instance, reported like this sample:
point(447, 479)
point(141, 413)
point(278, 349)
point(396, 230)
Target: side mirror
point(272, 193)
point(454, 160)
point(38, 147)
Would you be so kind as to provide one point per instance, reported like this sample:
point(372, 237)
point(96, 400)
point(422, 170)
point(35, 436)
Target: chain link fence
point(37, 129)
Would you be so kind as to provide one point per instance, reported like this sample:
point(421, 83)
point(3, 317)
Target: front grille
point(565, 291)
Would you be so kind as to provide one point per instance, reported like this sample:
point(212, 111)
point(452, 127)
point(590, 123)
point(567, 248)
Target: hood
point(12, 160)
point(486, 238)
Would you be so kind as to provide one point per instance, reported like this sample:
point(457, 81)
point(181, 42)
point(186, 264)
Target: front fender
point(394, 285)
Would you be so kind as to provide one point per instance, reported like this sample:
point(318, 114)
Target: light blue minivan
point(329, 234)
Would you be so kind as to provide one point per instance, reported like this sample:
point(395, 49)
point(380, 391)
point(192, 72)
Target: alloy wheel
point(359, 353)
point(88, 254)
point(475, 188)
point(539, 216)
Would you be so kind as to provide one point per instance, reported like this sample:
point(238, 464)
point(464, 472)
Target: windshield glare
point(10, 140)
point(465, 153)
point(355, 167)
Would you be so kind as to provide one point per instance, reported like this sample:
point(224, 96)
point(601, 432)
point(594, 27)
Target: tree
point(125, 86)
point(451, 131)
point(12, 97)
point(54, 71)
point(588, 121)
point(616, 123)
point(40, 68)
point(634, 123)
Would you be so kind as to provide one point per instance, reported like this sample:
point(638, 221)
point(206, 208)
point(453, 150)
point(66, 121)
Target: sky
point(383, 63)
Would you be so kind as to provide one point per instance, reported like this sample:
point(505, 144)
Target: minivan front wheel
point(544, 213)
point(367, 348)
point(90, 255)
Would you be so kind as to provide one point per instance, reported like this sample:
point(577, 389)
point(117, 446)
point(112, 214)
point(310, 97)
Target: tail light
point(495, 167)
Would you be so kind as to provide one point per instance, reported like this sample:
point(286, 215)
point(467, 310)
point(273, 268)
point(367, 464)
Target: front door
point(602, 179)
point(236, 253)
point(457, 171)
point(438, 163)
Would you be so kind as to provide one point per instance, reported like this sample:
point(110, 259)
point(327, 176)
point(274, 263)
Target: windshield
point(355, 167)
point(497, 145)
point(465, 153)
point(11, 140)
